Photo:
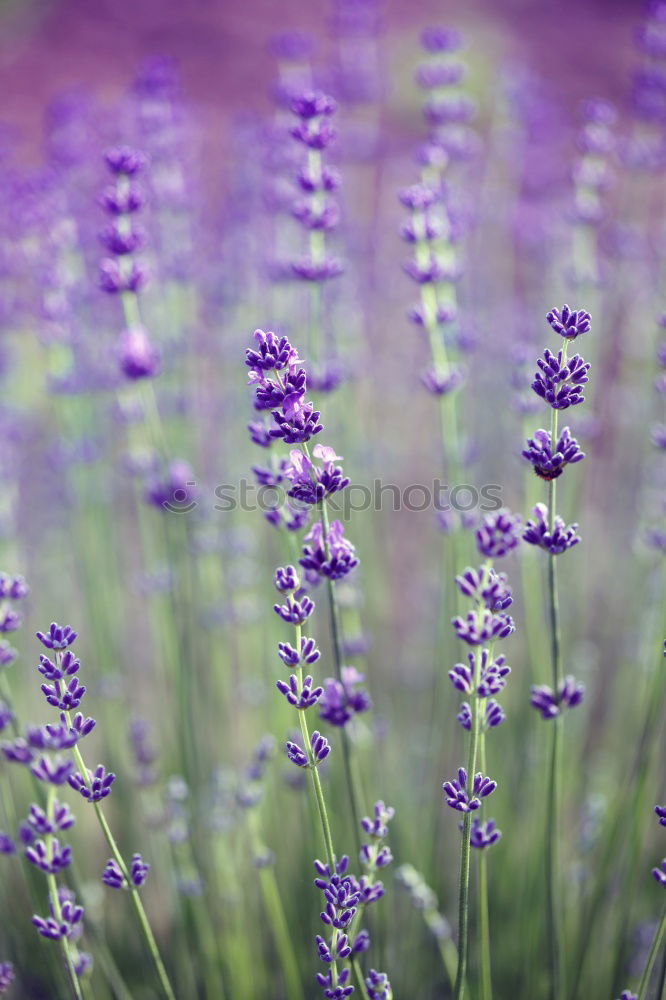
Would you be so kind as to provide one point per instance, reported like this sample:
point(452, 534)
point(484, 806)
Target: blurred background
point(553, 188)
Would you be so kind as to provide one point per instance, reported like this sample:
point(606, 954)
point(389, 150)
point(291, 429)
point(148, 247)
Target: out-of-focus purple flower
point(7, 845)
point(68, 926)
point(95, 786)
point(561, 382)
point(125, 160)
point(13, 588)
point(137, 356)
point(52, 770)
point(660, 811)
point(549, 704)
point(443, 384)
point(498, 534)
point(486, 586)
point(6, 716)
point(342, 700)
point(482, 835)
point(6, 976)
point(439, 40)
point(7, 654)
point(660, 873)
point(569, 323)
point(62, 818)
point(485, 626)
point(537, 532)
point(50, 858)
point(459, 797)
point(378, 986)
point(548, 462)
point(658, 435)
point(176, 491)
point(333, 556)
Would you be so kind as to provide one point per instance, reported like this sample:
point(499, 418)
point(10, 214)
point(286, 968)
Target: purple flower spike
point(54, 770)
point(57, 637)
point(569, 323)
point(660, 873)
point(137, 356)
point(537, 532)
point(498, 534)
point(550, 463)
point(561, 382)
point(486, 586)
point(378, 986)
point(6, 976)
point(457, 796)
point(272, 353)
point(13, 588)
point(482, 835)
point(96, 786)
point(661, 813)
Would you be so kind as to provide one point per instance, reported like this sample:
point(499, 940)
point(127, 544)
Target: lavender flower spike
point(6, 976)
point(549, 462)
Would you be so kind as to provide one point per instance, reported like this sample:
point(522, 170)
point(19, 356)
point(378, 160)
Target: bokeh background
point(174, 610)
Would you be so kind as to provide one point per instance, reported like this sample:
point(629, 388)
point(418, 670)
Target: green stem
point(55, 903)
point(336, 640)
point(484, 915)
point(133, 890)
point(657, 941)
point(463, 897)
point(554, 933)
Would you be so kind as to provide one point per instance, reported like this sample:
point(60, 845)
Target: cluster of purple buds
point(12, 588)
point(94, 786)
point(315, 209)
point(660, 812)
point(67, 924)
point(342, 699)
point(549, 462)
point(493, 673)
point(311, 483)
point(550, 704)
point(560, 380)
point(493, 715)
point(376, 855)
point(464, 799)
point(486, 586)
point(498, 534)
point(482, 834)
point(283, 390)
point(482, 626)
point(136, 876)
point(569, 323)
point(378, 986)
point(554, 540)
point(317, 752)
point(329, 554)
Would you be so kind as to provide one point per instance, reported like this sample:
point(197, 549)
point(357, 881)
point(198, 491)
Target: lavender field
point(333, 506)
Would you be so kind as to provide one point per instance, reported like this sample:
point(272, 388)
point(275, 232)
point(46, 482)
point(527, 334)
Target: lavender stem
point(134, 893)
point(334, 618)
point(55, 905)
point(463, 905)
point(657, 941)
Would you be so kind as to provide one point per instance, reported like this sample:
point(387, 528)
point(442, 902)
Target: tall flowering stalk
point(309, 479)
point(63, 690)
point(484, 675)
point(559, 382)
point(280, 384)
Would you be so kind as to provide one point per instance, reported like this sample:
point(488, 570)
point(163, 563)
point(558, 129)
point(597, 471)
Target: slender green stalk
point(465, 850)
point(554, 932)
point(276, 914)
point(55, 904)
point(146, 929)
point(336, 639)
point(657, 942)
point(484, 915)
